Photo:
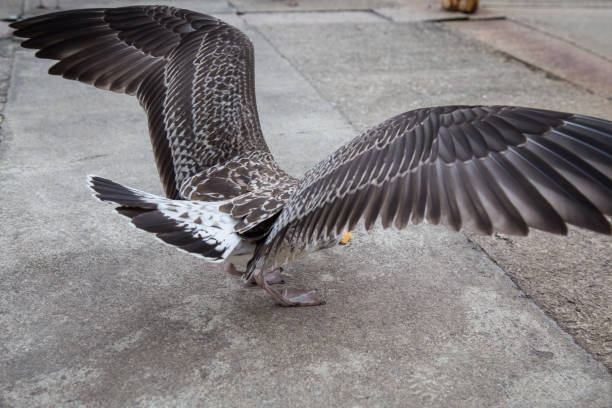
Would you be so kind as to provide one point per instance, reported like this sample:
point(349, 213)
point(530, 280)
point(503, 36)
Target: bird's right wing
point(478, 168)
point(192, 73)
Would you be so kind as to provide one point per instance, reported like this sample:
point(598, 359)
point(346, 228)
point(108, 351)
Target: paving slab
point(587, 28)
point(549, 53)
point(32, 7)
point(10, 8)
point(549, 4)
point(96, 313)
point(312, 17)
point(249, 6)
point(568, 276)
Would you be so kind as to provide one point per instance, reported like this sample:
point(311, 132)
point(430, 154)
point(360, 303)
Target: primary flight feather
point(478, 168)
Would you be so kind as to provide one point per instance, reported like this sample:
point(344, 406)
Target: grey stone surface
point(568, 276)
point(588, 28)
point(248, 6)
point(207, 6)
point(369, 78)
point(10, 8)
point(312, 17)
point(550, 53)
point(550, 4)
point(96, 313)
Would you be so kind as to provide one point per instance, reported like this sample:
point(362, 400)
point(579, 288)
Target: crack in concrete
point(7, 57)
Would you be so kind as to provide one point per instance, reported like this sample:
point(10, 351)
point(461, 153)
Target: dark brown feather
point(483, 169)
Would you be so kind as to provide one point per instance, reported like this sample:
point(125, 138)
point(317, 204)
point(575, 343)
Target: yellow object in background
point(466, 6)
point(345, 237)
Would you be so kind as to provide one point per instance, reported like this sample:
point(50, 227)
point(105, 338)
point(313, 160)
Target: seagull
point(483, 169)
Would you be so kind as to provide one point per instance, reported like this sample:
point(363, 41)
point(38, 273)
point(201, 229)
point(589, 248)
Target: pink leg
point(272, 275)
point(289, 296)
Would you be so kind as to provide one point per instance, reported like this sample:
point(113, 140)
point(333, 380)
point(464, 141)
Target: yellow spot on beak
point(345, 237)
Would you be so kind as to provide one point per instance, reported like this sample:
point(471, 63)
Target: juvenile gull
point(483, 169)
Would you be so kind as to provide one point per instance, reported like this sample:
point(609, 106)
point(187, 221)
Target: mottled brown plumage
point(475, 168)
point(193, 75)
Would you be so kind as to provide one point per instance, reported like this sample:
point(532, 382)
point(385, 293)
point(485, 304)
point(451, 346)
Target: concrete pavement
point(98, 314)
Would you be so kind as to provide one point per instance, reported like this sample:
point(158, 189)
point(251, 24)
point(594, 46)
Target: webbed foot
point(299, 297)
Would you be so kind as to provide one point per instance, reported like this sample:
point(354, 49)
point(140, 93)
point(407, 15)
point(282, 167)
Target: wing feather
point(192, 73)
point(482, 169)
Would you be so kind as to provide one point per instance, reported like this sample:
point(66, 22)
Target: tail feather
point(108, 190)
point(195, 227)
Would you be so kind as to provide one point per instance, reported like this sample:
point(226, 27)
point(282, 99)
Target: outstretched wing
point(192, 73)
point(480, 168)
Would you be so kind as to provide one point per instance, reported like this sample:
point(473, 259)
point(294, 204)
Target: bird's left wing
point(192, 73)
point(477, 168)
